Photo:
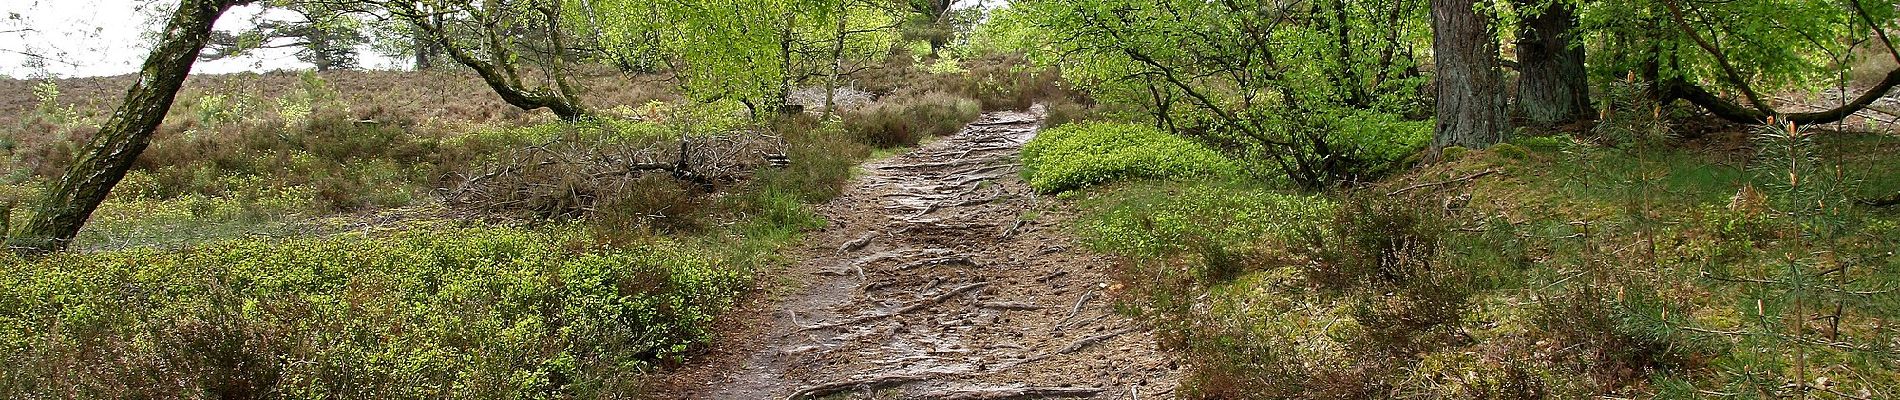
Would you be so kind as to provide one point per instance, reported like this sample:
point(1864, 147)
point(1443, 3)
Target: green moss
point(1543, 144)
point(1510, 151)
point(1452, 153)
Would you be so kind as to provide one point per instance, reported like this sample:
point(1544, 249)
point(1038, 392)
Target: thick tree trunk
point(1552, 86)
point(71, 200)
point(423, 46)
point(1470, 85)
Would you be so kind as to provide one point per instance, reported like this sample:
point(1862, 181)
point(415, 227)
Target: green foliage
point(749, 50)
point(1241, 76)
point(1375, 143)
point(1773, 45)
point(1074, 156)
point(1632, 118)
point(448, 313)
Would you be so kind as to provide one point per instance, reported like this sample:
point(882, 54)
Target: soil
point(940, 275)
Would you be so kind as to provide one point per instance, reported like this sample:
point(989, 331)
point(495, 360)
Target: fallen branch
point(906, 309)
point(1087, 341)
point(1467, 178)
point(859, 384)
point(1077, 308)
point(1011, 232)
point(1888, 201)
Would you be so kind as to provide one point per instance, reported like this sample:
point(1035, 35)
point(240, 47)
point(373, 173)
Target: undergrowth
point(443, 312)
point(298, 244)
point(1571, 270)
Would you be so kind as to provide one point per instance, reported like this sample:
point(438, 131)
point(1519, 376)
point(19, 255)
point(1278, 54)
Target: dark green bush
point(454, 313)
point(1376, 142)
point(1074, 156)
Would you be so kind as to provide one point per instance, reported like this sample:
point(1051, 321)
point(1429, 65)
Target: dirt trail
point(941, 276)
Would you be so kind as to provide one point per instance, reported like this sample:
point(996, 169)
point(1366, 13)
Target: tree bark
point(1552, 85)
point(1470, 85)
point(837, 59)
point(71, 200)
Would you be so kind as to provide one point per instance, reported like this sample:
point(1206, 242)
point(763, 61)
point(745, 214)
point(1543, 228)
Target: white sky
point(105, 37)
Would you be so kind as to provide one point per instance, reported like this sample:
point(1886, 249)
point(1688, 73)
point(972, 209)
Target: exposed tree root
point(900, 311)
point(859, 384)
point(1078, 345)
point(859, 243)
point(1008, 393)
point(937, 261)
point(1011, 305)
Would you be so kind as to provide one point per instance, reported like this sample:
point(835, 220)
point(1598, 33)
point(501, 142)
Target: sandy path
point(941, 276)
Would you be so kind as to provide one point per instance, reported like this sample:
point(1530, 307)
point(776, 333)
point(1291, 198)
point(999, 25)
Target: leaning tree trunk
point(1552, 86)
point(71, 200)
point(1470, 85)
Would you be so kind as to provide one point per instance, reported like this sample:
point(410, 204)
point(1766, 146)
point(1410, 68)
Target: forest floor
point(941, 274)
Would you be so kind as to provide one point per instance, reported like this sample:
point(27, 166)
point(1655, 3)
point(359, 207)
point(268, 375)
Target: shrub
point(1391, 255)
point(903, 121)
point(1064, 112)
point(453, 313)
point(822, 155)
point(1375, 142)
point(1073, 156)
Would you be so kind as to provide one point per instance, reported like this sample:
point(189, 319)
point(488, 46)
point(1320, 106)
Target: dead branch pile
point(569, 178)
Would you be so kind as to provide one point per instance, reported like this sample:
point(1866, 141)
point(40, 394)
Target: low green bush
point(1078, 155)
point(438, 313)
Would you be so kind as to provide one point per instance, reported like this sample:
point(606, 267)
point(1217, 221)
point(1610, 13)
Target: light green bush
point(1073, 156)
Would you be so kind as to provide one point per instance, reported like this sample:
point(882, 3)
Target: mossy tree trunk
point(71, 200)
point(1552, 87)
point(1470, 85)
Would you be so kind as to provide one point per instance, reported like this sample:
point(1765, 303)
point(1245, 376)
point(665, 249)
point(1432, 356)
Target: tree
point(1728, 57)
point(1264, 80)
point(71, 200)
point(751, 51)
point(492, 36)
point(937, 22)
point(1470, 85)
point(1553, 85)
point(325, 36)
